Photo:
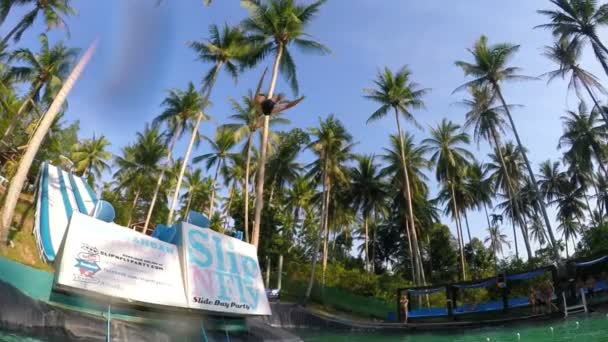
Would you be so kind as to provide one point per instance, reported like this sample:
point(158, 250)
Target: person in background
point(403, 305)
point(590, 285)
point(580, 284)
point(532, 299)
point(546, 292)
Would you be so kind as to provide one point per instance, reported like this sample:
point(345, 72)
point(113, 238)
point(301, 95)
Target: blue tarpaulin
point(592, 262)
point(476, 285)
point(524, 276)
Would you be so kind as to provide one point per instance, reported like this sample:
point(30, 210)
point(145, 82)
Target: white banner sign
point(111, 260)
point(222, 273)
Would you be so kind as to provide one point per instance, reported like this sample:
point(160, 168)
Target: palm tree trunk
point(317, 246)
point(160, 180)
point(217, 172)
point(311, 280)
point(133, 207)
point(411, 250)
point(16, 184)
point(228, 206)
point(599, 50)
point(588, 207)
point(280, 272)
point(408, 200)
point(199, 118)
point(459, 232)
point(510, 191)
point(515, 239)
point(466, 221)
point(485, 209)
point(20, 111)
point(189, 202)
point(541, 203)
point(259, 186)
point(524, 233)
point(326, 232)
point(246, 186)
point(373, 261)
point(599, 107)
point(182, 170)
point(365, 226)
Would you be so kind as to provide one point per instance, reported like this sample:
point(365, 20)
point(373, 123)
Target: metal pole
point(109, 333)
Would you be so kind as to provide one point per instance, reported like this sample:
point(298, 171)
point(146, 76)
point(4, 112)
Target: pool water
point(592, 328)
point(9, 337)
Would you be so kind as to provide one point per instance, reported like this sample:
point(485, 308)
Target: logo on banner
point(87, 264)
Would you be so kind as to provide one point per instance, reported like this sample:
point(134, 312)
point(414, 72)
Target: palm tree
point(248, 120)
point(193, 181)
point(224, 48)
point(331, 145)
point(284, 168)
point(274, 25)
point(415, 163)
point(478, 188)
point(139, 163)
point(584, 139)
point(506, 173)
point(221, 145)
point(569, 231)
point(580, 20)
point(368, 192)
point(90, 157)
point(180, 110)
point(496, 240)
point(45, 71)
point(52, 10)
point(567, 54)
point(18, 180)
point(450, 158)
point(396, 91)
point(551, 179)
point(490, 67)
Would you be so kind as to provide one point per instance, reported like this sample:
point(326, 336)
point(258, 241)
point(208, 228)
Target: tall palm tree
point(18, 180)
point(139, 163)
point(478, 188)
point(247, 121)
point(450, 158)
point(180, 110)
point(580, 20)
point(275, 25)
point(223, 141)
point(506, 173)
point(566, 54)
point(224, 48)
point(193, 181)
point(490, 67)
point(91, 158)
point(368, 192)
point(551, 179)
point(416, 163)
point(52, 10)
point(398, 92)
point(584, 139)
point(284, 168)
point(488, 123)
point(332, 145)
point(496, 240)
point(45, 71)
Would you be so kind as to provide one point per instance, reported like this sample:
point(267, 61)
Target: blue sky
point(143, 52)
